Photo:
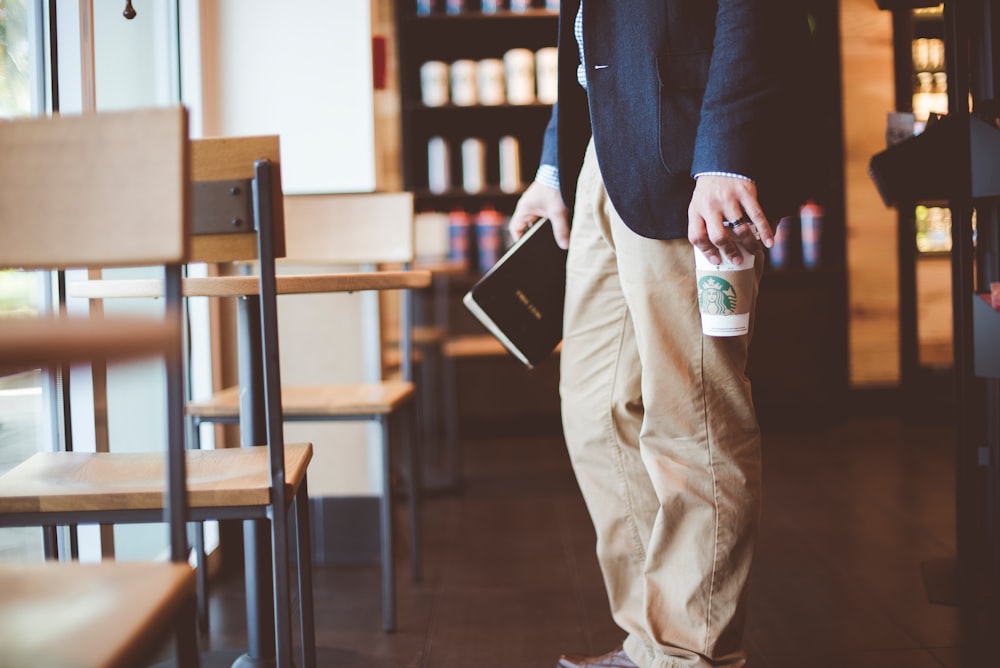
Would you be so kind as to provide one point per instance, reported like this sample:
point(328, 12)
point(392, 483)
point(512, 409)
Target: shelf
point(473, 18)
point(476, 35)
point(503, 202)
point(939, 164)
point(481, 120)
point(470, 35)
point(909, 4)
point(450, 111)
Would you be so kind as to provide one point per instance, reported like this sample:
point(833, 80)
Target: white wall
point(300, 69)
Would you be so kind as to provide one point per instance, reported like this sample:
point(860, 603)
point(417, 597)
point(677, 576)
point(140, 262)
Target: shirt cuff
point(731, 174)
point(548, 175)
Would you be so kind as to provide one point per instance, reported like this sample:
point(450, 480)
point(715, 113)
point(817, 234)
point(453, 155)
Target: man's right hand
point(541, 201)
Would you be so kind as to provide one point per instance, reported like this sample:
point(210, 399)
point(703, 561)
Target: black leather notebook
point(520, 299)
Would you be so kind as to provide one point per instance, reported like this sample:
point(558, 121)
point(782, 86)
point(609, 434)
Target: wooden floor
point(851, 517)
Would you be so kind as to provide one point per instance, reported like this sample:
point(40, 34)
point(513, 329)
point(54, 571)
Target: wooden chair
point(361, 231)
point(233, 180)
point(89, 191)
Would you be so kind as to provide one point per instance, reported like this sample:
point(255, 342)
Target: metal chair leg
point(50, 542)
point(186, 636)
point(385, 525)
point(201, 575)
point(282, 586)
point(303, 546)
point(411, 445)
point(198, 545)
point(449, 414)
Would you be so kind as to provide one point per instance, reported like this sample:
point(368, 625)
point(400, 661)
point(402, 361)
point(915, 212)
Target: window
point(136, 64)
point(25, 406)
point(19, 58)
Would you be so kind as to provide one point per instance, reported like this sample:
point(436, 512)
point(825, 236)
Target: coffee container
point(458, 237)
point(811, 222)
point(489, 237)
point(490, 82)
point(438, 165)
point(434, 83)
point(519, 68)
point(473, 165)
point(547, 74)
point(431, 236)
point(725, 294)
point(463, 83)
point(510, 164)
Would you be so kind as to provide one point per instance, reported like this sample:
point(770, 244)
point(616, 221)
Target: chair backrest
point(364, 228)
point(98, 190)
point(102, 190)
point(248, 168)
point(229, 162)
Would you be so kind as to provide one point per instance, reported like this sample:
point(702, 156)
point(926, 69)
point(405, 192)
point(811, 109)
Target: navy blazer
point(676, 88)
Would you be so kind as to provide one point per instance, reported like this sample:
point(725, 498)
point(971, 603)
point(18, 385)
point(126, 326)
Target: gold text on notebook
point(527, 302)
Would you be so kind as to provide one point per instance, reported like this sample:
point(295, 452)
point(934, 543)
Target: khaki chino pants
point(663, 439)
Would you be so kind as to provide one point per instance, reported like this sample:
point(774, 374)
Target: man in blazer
point(673, 129)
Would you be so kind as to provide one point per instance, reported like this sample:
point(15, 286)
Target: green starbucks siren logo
point(716, 296)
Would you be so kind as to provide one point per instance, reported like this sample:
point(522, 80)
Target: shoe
point(616, 658)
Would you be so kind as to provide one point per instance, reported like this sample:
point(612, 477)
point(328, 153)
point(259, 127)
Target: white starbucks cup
point(725, 294)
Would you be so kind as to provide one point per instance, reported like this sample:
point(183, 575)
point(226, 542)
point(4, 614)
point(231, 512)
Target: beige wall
point(302, 69)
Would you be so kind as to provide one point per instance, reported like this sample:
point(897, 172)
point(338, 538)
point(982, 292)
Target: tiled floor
point(511, 579)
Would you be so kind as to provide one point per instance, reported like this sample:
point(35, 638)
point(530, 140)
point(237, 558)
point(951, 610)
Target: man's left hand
point(726, 199)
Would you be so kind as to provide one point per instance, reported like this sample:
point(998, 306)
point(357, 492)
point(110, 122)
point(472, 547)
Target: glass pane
point(23, 404)
point(17, 64)
point(22, 409)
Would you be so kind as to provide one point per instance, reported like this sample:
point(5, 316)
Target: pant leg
point(676, 492)
point(602, 408)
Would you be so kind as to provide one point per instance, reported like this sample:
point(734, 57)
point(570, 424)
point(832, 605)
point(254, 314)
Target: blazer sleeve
point(550, 145)
point(746, 90)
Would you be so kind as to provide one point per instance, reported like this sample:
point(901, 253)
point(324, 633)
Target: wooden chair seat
point(321, 401)
point(103, 615)
point(109, 481)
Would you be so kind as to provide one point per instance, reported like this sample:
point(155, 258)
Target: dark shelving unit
point(925, 391)
point(469, 35)
point(956, 159)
